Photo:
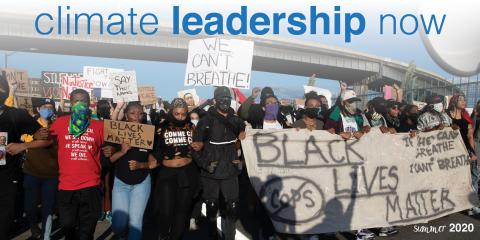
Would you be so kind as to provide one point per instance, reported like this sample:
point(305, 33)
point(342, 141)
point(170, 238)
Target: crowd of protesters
point(59, 160)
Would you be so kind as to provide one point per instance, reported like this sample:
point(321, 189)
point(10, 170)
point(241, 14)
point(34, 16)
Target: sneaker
point(364, 234)
point(108, 216)
point(193, 224)
point(474, 211)
point(387, 231)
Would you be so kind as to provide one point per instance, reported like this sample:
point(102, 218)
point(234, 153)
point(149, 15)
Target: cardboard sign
point(124, 86)
point(20, 78)
point(100, 77)
point(315, 182)
point(25, 103)
point(219, 62)
point(70, 83)
point(138, 135)
point(50, 85)
point(147, 95)
point(320, 91)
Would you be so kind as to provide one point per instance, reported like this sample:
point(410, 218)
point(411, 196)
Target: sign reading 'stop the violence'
point(314, 182)
point(219, 62)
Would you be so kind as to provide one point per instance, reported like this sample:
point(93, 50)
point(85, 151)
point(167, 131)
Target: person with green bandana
point(80, 141)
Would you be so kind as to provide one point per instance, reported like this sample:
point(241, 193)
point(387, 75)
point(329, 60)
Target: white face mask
point(351, 107)
point(438, 107)
point(195, 122)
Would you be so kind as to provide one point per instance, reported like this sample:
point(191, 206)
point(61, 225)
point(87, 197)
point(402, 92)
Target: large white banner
point(219, 62)
point(314, 182)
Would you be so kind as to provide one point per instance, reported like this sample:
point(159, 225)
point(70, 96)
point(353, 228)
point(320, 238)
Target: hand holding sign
point(124, 86)
point(135, 134)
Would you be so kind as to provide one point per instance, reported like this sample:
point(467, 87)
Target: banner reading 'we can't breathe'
point(314, 182)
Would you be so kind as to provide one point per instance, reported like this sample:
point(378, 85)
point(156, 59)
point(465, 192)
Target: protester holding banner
point(312, 113)
point(392, 114)
point(345, 119)
point(409, 119)
point(81, 138)
point(131, 187)
point(177, 178)
point(461, 120)
point(258, 114)
point(218, 131)
point(433, 116)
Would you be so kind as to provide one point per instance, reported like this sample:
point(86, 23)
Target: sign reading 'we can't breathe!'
point(219, 62)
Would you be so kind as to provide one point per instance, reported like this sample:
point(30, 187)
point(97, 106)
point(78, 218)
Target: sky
point(168, 77)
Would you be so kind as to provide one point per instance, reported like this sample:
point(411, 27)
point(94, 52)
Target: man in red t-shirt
point(80, 141)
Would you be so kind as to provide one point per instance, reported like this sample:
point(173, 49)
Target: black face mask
point(414, 117)
point(223, 104)
point(312, 112)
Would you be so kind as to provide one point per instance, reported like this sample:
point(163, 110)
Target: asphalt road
point(411, 232)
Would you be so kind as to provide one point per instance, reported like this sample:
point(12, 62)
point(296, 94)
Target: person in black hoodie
point(218, 133)
point(255, 113)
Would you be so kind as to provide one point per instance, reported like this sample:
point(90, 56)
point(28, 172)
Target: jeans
point(128, 206)
point(40, 190)
point(79, 208)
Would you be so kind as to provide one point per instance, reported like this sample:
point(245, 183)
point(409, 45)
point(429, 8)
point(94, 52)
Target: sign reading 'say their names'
point(219, 62)
point(124, 86)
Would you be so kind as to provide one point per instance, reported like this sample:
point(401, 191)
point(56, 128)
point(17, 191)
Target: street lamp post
point(8, 54)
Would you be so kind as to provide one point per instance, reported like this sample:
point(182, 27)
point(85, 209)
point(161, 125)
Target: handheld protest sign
point(100, 77)
point(219, 62)
point(70, 83)
point(136, 134)
point(50, 84)
point(146, 95)
point(19, 78)
point(124, 85)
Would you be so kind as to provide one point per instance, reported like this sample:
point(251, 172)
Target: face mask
point(438, 107)
point(195, 122)
point(46, 113)
point(223, 104)
point(312, 112)
point(351, 107)
point(271, 111)
point(414, 116)
point(80, 119)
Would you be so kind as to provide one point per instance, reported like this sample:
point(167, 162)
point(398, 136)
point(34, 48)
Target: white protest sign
point(124, 86)
point(219, 62)
point(188, 95)
point(320, 91)
point(315, 182)
point(100, 77)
